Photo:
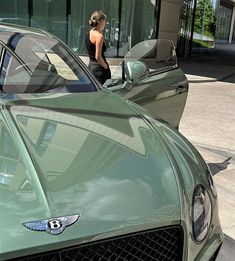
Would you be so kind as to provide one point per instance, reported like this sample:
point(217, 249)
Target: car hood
point(87, 154)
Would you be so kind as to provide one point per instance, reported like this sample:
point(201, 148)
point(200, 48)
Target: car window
point(62, 67)
point(157, 54)
point(41, 64)
point(14, 77)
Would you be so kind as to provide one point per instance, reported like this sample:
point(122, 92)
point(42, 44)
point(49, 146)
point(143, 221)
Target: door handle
point(181, 88)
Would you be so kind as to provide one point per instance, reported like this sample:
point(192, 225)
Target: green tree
point(205, 17)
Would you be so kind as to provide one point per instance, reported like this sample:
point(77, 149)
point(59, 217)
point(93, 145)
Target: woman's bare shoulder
point(96, 36)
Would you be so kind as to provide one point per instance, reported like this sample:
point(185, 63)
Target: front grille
point(159, 244)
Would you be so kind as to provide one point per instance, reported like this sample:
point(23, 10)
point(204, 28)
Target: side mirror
point(135, 71)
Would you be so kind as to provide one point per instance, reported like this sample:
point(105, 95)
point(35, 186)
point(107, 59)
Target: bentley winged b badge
point(53, 226)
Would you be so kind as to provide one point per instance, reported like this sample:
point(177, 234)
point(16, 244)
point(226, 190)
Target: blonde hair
point(96, 17)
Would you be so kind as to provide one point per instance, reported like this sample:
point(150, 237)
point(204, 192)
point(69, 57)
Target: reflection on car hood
point(95, 156)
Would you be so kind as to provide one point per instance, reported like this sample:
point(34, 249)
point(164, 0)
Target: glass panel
point(233, 39)
point(46, 67)
point(204, 26)
point(13, 78)
point(51, 16)
point(185, 27)
point(223, 24)
point(128, 22)
point(14, 11)
point(138, 23)
point(157, 56)
point(80, 14)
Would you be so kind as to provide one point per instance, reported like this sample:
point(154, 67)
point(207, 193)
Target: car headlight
point(201, 213)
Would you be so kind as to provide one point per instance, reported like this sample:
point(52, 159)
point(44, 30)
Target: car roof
point(13, 28)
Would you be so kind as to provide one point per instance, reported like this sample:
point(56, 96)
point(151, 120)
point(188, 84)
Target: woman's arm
point(98, 50)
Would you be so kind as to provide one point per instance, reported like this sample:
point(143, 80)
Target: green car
point(86, 174)
point(149, 76)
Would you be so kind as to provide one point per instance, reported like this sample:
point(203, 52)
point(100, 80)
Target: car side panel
point(162, 94)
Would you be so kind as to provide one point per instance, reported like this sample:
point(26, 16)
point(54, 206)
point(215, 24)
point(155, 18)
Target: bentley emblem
point(53, 226)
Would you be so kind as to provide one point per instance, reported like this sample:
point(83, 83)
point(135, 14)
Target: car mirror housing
point(135, 71)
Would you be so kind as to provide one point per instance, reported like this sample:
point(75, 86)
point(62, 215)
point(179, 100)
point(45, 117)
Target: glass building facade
point(128, 22)
point(197, 26)
point(202, 23)
point(186, 29)
point(223, 24)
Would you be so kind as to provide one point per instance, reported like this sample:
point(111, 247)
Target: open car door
point(149, 76)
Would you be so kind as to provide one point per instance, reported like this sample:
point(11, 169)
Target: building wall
point(169, 20)
point(224, 21)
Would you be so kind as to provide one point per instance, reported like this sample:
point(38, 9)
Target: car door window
point(151, 78)
point(53, 68)
point(13, 75)
point(158, 54)
point(61, 67)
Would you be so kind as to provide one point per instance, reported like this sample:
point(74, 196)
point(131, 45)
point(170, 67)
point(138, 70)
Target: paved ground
point(209, 123)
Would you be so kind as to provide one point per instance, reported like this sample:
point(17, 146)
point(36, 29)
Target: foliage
point(205, 17)
point(202, 44)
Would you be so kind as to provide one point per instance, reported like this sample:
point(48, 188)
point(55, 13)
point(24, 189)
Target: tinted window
point(14, 77)
point(43, 64)
point(156, 54)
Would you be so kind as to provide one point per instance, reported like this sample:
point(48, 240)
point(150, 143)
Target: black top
point(91, 48)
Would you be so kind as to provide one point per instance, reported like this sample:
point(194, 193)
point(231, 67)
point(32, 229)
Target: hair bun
point(96, 17)
point(92, 23)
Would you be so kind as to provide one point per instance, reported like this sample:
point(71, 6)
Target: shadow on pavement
point(217, 167)
point(214, 64)
point(227, 251)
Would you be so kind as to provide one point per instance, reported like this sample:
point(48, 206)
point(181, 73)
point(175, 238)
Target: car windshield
point(34, 63)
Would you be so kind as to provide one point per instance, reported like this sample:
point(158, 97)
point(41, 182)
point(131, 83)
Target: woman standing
point(96, 47)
